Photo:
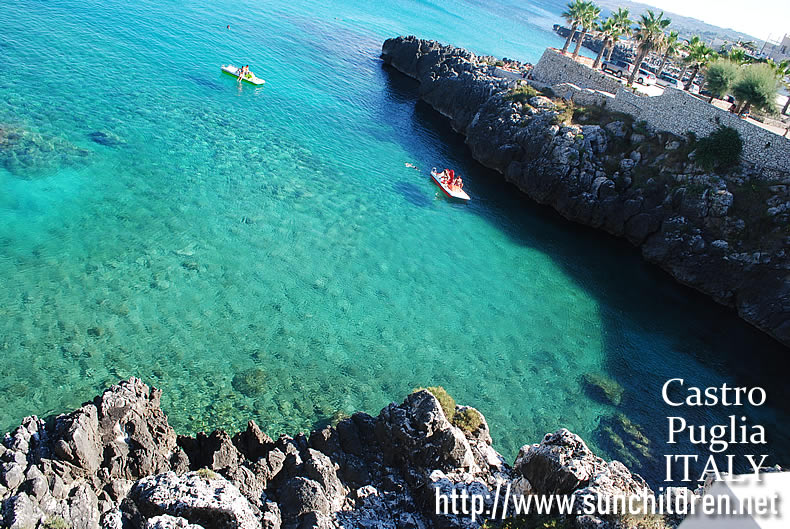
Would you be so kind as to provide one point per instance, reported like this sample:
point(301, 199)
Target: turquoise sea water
point(266, 253)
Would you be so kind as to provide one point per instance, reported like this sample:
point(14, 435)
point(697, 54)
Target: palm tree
point(573, 16)
point(650, 36)
point(671, 48)
point(782, 71)
point(699, 57)
point(737, 55)
point(616, 25)
point(687, 47)
point(589, 18)
point(605, 31)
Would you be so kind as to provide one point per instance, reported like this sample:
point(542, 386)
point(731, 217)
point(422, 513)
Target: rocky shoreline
point(116, 463)
point(724, 233)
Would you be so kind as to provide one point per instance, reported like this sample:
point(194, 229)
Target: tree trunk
point(570, 38)
point(694, 73)
point(579, 43)
point(787, 105)
point(637, 64)
point(663, 63)
point(597, 62)
point(744, 108)
point(682, 73)
point(611, 49)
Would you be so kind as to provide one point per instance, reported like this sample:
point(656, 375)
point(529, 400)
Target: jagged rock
point(617, 129)
point(672, 145)
point(591, 522)
point(612, 480)
point(320, 469)
point(82, 508)
point(211, 502)
point(542, 102)
point(253, 443)
point(78, 440)
point(720, 203)
point(11, 474)
point(35, 484)
point(302, 495)
point(21, 512)
point(270, 516)
point(369, 472)
point(166, 521)
point(560, 464)
point(137, 439)
point(417, 434)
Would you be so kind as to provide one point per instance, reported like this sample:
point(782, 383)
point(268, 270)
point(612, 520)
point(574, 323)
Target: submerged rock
point(28, 154)
point(106, 138)
point(603, 388)
point(250, 382)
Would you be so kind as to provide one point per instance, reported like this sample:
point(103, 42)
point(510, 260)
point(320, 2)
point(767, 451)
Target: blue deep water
point(267, 253)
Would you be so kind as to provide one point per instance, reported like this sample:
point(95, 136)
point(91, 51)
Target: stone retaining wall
point(674, 111)
point(554, 68)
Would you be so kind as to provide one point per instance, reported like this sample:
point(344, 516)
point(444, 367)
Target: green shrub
point(56, 522)
point(564, 114)
point(468, 420)
point(721, 75)
point(207, 473)
point(640, 127)
point(721, 149)
point(445, 400)
point(499, 63)
point(521, 94)
point(757, 87)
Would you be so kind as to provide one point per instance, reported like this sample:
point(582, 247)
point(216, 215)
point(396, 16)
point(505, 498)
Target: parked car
point(618, 68)
point(646, 78)
point(669, 81)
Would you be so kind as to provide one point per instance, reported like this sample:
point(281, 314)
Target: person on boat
point(458, 183)
point(450, 177)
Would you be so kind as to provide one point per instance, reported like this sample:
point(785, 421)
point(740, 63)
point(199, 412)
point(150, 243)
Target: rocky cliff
point(116, 463)
point(725, 233)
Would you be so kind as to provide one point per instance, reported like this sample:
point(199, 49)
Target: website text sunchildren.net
point(503, 505)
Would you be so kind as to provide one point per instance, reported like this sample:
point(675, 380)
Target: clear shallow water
point(266, 253)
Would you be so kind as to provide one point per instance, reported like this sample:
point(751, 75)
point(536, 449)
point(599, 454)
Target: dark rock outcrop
point(115, 463)
point(722, 234)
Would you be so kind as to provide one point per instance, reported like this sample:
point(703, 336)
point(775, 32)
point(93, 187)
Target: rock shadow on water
point(207, 83)
point(412, 193)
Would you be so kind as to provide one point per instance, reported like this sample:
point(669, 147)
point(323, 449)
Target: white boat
point(451, 191)
point(235, 71)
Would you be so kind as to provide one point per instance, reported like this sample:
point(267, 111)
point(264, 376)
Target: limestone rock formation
point(723, 234)
point(115, 463)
